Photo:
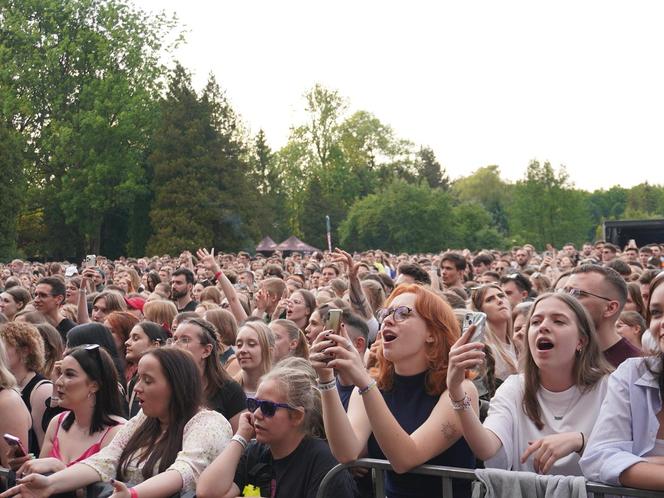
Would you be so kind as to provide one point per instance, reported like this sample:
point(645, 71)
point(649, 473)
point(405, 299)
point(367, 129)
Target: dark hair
point(483, 259)
point(457, 259)
point(611, 276)
point(53, 346)
point(416, 271)
point(620, 266)
point(57, 286)
point(153, 279)
point(20, 296)
point(99, 366)
point(355, 321)
point(188, 275)
point(184, 379)
point(635, 293)
point(648, 276)
point(96, 333)
point(154, 331)
point(519, 279)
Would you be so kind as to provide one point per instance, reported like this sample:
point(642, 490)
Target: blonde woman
point(289, 340)
point(491, 299)
point(161, 311)
point(254, 347)
point(16, 417)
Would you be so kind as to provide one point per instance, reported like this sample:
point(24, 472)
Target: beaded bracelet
point(365, 390)
point(463, 404)
point(327, 386)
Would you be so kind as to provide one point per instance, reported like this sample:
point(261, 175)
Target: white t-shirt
point(566, 411)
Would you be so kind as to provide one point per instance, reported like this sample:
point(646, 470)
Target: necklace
point(573, 400)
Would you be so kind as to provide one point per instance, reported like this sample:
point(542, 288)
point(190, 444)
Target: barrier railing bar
point(449, 473)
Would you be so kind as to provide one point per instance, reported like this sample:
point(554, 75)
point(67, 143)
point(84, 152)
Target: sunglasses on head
point(268, 408)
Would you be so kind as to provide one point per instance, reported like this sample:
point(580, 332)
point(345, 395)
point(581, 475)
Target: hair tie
point(167, 328)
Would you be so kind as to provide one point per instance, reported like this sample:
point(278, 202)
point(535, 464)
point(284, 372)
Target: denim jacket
point(627, 425)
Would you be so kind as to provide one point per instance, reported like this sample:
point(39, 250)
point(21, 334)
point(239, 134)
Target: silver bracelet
point(463, 404)
point(239, 439)
point(327, 386)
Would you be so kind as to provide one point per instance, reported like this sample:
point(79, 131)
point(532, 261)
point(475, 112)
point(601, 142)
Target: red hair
point(444, 328)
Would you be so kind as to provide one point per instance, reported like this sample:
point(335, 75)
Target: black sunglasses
point(269, 408)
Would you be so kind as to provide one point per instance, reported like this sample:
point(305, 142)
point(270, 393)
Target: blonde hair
point(207, 305)
point(266, 342)
point(7, 379)
point(160, 311)
point(294, 334)
point(296, 381)
point(375, 294)
point(477, 300)
point(211, 294)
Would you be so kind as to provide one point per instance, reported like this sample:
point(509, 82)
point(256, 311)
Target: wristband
point(583, 443)
point(463, 404)
point(217, 275)
point(239, 439)
point(133, 492)
point(327, 386)
point(365, 390)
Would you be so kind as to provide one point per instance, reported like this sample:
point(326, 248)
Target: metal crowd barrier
point(379, 467)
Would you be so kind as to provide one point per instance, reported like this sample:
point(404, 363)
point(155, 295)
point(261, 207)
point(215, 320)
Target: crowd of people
point(237, 375)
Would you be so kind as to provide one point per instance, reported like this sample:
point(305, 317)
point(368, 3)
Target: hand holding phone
point(16, 445)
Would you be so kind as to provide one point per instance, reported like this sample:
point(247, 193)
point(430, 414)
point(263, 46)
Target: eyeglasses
point(172, 341)
point(268, 408)
point(399, 314)
point(577, 293)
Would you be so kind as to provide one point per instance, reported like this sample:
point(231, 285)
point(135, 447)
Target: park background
point(109, 144)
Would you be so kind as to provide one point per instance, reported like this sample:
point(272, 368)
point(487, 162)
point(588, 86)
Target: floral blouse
point(205, 436)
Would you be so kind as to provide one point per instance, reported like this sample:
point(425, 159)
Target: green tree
point(12, 187)
point(401, 217)
point(430, 169)
point(79, 78)
point(645, 200)
point(201, 195)
point(547, 209)
point(486, 187)
point(472, 228)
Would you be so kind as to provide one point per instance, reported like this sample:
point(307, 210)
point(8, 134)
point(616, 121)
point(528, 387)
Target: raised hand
point(463, 356)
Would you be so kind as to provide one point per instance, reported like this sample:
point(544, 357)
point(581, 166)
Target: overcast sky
point(578, 83)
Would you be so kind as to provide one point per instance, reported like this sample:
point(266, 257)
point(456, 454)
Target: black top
point(229, 400)
point(410, 404)
point(344, 393)
point(296, 476)
point(63, 327)
point(26, 392)
point(191, 306)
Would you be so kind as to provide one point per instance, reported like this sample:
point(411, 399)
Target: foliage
point(486, 187)
point(546, 209)
point(78, 78)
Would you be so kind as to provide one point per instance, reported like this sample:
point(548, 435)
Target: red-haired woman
point(405, 414)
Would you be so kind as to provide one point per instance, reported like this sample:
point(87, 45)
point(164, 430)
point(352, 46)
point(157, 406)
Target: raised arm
point(463, 355)
point(208, 259)
point(358, 300)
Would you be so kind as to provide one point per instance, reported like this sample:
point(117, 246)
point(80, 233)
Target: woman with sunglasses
point(87, 387)
point(538, 420)
point(162, 450)
point(288, 458)
point(220, 392)
point(404, 415)
point(627, 446)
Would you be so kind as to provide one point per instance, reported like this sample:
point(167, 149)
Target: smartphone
point(90, 260)
point(16, 445)
point(478, 319)
point(333, 321)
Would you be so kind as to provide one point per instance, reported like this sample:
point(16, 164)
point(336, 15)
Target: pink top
point(55, 450)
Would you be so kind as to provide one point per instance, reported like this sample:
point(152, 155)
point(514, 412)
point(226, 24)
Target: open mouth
point(544, 344)
point(388, 336)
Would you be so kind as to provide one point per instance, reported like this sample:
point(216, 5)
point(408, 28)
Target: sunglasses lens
point(251, 404)
point(268, 408)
